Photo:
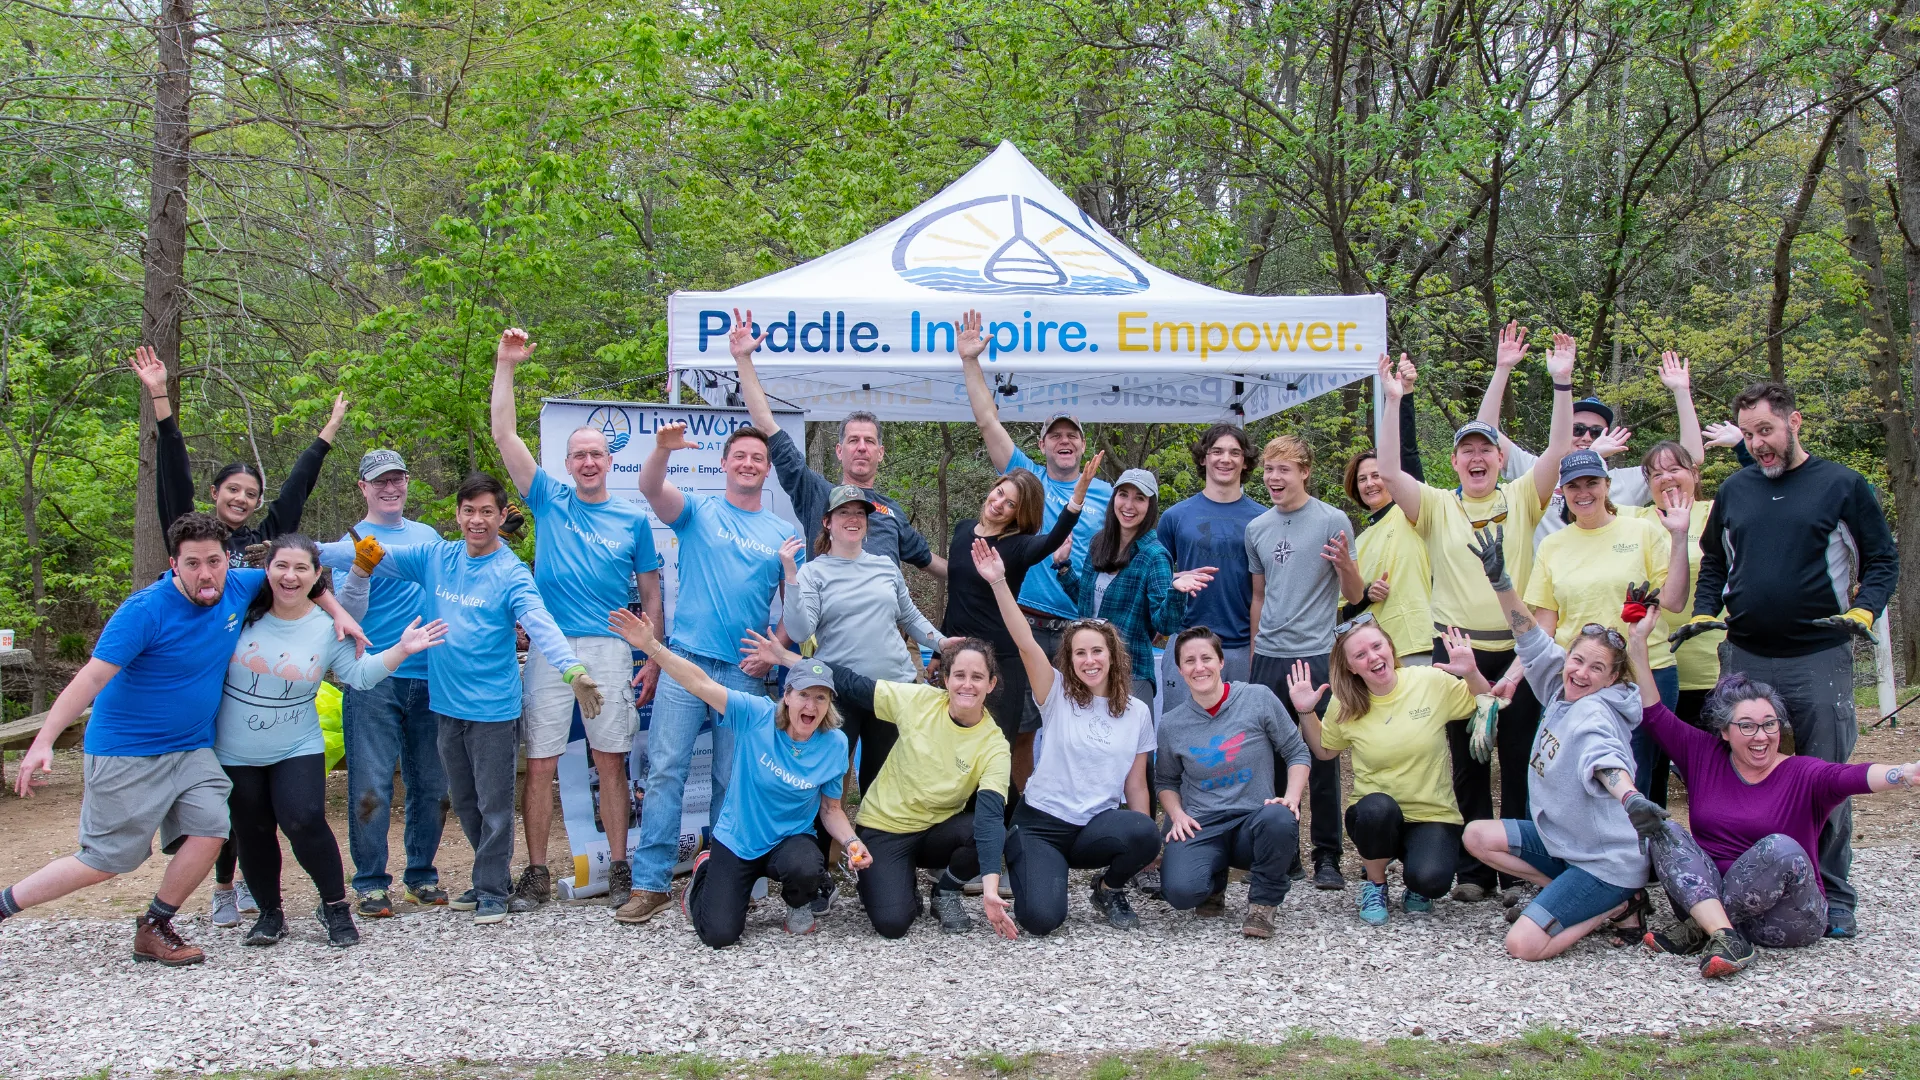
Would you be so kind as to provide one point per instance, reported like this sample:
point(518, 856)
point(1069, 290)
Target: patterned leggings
point(1771, 892)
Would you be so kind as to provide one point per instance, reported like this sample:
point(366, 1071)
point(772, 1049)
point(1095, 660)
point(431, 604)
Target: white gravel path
point(568, 981)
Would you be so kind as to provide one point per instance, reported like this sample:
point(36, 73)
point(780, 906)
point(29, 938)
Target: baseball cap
point(809, 673)
point(1140, 479)
point(1055, 418)
point(1579, 463)
point(1594, 405)
point(376, 462)
point(844, 494)
point(1477, 427)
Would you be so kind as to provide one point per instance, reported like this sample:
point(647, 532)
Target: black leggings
point(1427, 850)
point(718, 908)
point(889, 888)
point(223, 866)
point(874, 736)
point(1041, 848)
point(1473, 780)
point(290, 796)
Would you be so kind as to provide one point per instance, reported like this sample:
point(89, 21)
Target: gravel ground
point(567, 981)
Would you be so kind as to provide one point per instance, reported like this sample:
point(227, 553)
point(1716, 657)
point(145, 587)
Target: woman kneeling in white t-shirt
point(1085, 806)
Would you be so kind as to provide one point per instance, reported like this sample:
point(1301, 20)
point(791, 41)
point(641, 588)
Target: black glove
point(1858, 622)
point(513, 522)
point(254, 555)
point(1649, 818)
point(1486, 546)
point(1699, 624)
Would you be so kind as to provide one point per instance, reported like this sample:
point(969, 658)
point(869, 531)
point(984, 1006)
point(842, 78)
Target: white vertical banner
point(629, 428)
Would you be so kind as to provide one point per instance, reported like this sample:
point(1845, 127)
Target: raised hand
point(636, 630)
point(1408, 374)
point(789, 548)
point(1489, 547)
point(1380, 589)
point(1460, 659)
point(1390, 385)
point(1641, 599)
point(153, 374)
point(765, 652)
point(1192, 581)
point(1612, 441)
point(418, 639)
point(741, 340)
point(1300, 689)
point(1560, 358)
point(1725, 434)
point(1336, 551)
point(969, 342)
point(672, 437)
point(1642, 629)
point(1087, 473)
point(339, 413)
point(1512, 348)
point(988, 562)
point(1649, 818)
point(1675, 373)
point(1677, 515)
point(1858, 622)
point(514, 348)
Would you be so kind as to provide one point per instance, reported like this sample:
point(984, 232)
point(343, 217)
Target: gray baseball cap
point(844, 494)
point(1059, 416)
point(1476, 427)
point(379, 462)
point(810, 673)
point(1141, 479)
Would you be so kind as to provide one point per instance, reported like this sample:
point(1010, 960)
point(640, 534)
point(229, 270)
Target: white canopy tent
point(1075, 321)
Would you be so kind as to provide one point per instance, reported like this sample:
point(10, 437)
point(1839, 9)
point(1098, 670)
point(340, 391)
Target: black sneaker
point(952, 911)
point(829, 892)
point(268, 929)
point(533, 889)
point(1728, 953)
point(338, 919)
point(1683, 938)
point(619, 883)
point(1113, 904)
point(1147, 883)
point(1327, 875)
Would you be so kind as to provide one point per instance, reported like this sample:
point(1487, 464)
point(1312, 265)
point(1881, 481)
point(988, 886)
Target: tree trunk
point(165, 257)
point(1906, 168)
point(1783, 247)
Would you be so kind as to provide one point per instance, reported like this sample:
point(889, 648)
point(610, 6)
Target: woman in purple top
point(1744, 874)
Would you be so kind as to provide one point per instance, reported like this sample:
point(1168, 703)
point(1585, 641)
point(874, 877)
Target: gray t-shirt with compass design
point(1302, 599)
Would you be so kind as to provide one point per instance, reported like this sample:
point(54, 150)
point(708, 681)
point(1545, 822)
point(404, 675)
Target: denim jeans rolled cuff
point(482, 760)
point(677, 718)
point(1572, 896)
point(389, 725)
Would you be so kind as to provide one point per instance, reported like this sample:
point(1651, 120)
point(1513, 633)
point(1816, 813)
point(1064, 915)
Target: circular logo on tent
point(612, 423)
point(1010, 244)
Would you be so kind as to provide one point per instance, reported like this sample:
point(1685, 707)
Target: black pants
point(889, 888)
point(1473, 780)
point(874, 736)
point(1427, 850)
point(289, 796)
point(1263, 843)
point(1323, 777)
point(1042, 848)
point(718, 908)
point(1692, 703)
point(1010, 697)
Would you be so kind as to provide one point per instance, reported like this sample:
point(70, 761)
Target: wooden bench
point(18, 734)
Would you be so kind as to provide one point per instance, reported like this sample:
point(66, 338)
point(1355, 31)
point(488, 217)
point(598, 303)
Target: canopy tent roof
point(1076, 322)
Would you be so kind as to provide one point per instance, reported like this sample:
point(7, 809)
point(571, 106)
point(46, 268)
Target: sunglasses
point(1353, 624)
point(1589, 430)
point(1594, 629)
point(1499, 516)
point(1088, 624)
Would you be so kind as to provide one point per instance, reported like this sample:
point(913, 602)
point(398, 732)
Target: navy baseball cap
point(1579, 463)
point(1594, 405)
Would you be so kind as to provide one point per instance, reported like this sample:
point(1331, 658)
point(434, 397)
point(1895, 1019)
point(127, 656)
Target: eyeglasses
point(1589, 430)
point(388, 482)
point(1749, 729)
point(1594, 629)
point(1353, 624)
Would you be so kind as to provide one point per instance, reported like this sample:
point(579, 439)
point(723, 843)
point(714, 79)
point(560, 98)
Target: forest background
point(293, 199)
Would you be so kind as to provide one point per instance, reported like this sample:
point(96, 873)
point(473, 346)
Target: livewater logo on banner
point(613, 422)
point(1011, 244)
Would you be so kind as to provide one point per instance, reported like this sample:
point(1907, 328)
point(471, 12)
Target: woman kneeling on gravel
point(1395, 719)
point(1214, 773)
point(1581, 846)
point(789, 758)
point(1085, 807)
point(1745, 875)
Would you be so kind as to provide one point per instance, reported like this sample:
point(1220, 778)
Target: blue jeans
point(1650, 761)
point(1573, 896)
point(677, 718)
point(385, 726)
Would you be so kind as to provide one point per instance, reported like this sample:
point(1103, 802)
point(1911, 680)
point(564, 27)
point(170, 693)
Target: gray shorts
point(128, 799)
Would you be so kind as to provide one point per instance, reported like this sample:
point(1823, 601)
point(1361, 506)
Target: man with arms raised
point(589, 549)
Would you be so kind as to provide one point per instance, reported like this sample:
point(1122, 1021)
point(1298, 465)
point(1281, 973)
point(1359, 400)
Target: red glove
point(1640, 599)
point(1632, 612)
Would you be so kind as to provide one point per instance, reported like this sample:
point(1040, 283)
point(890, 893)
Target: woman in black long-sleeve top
point(1010, 524)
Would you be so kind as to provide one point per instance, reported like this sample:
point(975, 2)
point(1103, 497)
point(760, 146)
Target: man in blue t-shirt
point(591, 551)
point(154, 686)
point(1210, 529)
point(730, 550)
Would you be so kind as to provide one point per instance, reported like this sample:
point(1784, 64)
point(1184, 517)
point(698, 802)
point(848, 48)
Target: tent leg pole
point(1379, 410)
point(673, 387)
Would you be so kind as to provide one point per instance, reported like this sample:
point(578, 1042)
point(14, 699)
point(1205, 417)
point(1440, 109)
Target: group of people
point(1553, 617)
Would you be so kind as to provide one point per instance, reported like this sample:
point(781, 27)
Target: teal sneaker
point(1373, 903)
point(1414, 904)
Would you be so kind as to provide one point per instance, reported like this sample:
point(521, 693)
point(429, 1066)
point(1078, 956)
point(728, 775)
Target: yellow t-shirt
point(1699, 657)
point(1409, 762)
point(937, 764)
point(1461, 595)
point(1582, 575)
point(1391, 547)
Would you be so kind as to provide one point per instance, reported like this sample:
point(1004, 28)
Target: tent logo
point(614, 424)
point(1011, 244)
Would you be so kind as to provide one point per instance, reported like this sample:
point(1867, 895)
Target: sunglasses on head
point(1090, 624)
point(1594, 629)
point(1353, 624)
point(1589, 430)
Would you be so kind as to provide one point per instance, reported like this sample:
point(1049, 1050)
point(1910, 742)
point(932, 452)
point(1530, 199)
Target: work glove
point(513, 522)
point(1699, 624)
point(1486, 546)
point(1641, 599)
point(1480, 727)
point(585, 690)
point(254, 555)
point(1858, 622)
point(1649, 818)
point(367, 553)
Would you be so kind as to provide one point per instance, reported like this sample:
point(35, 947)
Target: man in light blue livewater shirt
point(729, 572)
point(480, 588)
point(590, 551)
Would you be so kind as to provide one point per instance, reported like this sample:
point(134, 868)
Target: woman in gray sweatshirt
point(1582, 845)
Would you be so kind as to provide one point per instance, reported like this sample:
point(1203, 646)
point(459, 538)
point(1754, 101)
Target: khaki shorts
point(128, 799)
point(546, 713)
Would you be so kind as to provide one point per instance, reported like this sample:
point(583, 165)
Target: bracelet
point(1568, 387)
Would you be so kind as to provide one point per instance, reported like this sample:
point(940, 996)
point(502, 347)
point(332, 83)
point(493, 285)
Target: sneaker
point(951, 911)
point(338, 920)
point(1373, 904)
point(1296, 871)
point(156, 941)
point(489, 911)
point(226, 911)
point(694, 877)
point(1327, 875)
point(823, 901)
point(1840, 923)
point(1213, 906)
point(243, 898)
point(466, 901)
point(1728, 953)
point(424, 895)
point(1467, 893)
point(800, 920)
point(1148, 884)
point(1414, 904)
point(1113, 904)
point(375, 905)
point(534, 888)
point(1259, 921)
point(619, 883)
point(1683, 938)
point(268, 929)
point(644, 905)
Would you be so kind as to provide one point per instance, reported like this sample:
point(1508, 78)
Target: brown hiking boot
point(160, 943)
point(1213, 906)
point(644, 905)
point(1259, 922)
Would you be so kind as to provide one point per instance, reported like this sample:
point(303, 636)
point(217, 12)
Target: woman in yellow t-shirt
point(1392, 555)
point(1670, 469)
point(1395, 719)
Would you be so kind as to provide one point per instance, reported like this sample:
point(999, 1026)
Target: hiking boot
point(1373, 904)
point(1467, 893)
point(1148, 884)
point(1213, 906)
point(1259, 921)
point(489, 911)
point(376, 905)
point(534, 888)
point(424, 895)
point(243, 899)
point(338, 920)
point(1683, 938)
point(952, 911)
point(644, 905)
point(800, 920)
point(268, 929)
point(466, 901)
point(1414, 904)
point(1727, 953)
point(1841, 924)
point(619, 883)
point(226, 911)
point(1327, 875)
point(156, 941)
point(1113, 904)
point(823, 900)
